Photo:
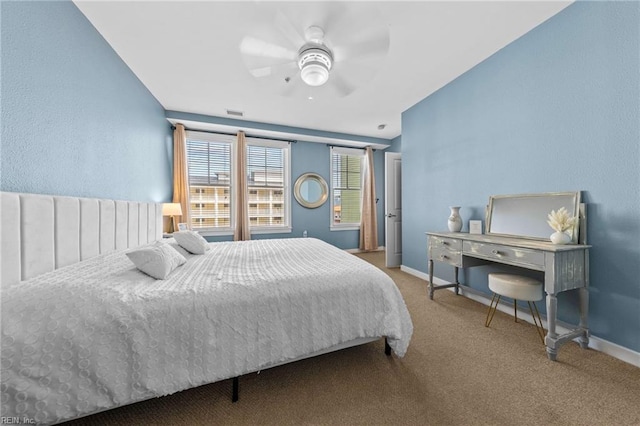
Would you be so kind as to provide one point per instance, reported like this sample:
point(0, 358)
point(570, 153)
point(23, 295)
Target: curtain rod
point(350, 147)
point(235, 134)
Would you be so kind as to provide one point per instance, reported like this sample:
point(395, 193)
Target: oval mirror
point(311, 190)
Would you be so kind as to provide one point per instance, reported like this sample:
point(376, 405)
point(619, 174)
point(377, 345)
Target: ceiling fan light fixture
point(314, 74)
point(315, 63)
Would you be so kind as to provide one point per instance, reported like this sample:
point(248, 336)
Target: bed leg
point(387, 348)
point(234, 391)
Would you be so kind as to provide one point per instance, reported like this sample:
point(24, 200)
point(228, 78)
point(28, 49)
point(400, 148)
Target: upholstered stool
point(517, 288)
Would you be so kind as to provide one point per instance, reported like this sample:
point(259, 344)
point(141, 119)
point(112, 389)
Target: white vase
point(560, 238)
point(455, 221)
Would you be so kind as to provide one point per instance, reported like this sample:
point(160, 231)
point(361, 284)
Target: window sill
point(345, 228)
point(283, 230)
point(254, 231)
point(219, 233)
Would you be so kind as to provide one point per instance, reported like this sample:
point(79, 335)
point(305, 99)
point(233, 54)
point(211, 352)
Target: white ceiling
point(187, 54)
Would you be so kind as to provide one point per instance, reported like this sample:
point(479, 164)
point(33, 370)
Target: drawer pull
point(444, 243)
point(443, 257)
point(496, 252)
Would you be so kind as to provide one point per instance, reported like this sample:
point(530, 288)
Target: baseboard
point(419, 274)
point(620, 352)
point(357, 250)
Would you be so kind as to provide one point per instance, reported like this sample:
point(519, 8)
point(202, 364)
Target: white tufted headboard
point(40, 233)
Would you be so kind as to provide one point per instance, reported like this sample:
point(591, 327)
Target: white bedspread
point(100, 334)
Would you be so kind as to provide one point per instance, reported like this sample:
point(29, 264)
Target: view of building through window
point(211, 182)
point(209, 166)
point(265, 181)
point(210, 207)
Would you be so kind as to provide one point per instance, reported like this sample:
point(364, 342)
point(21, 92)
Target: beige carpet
point(456, 372)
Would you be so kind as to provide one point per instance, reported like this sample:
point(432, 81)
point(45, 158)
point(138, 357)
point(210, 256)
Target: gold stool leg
point(539, 328)
point(492, 309)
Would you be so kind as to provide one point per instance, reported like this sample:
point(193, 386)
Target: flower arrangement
point(560, 221)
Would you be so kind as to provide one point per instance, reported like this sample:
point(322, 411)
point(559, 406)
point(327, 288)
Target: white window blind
point(210, 180)
point(211, 159)
point(346, 186)
point(267, 183)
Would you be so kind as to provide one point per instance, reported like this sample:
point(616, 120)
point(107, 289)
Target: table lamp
point(173, 210)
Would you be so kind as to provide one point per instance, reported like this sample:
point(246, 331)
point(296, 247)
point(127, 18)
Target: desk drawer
point(443, 242)
point(443, 254)
point(505, 254)
point(447, 250)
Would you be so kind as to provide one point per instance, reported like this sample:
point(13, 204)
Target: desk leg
point(584, 311)
point(431, 279)
point(550, 340)
point(457, 282)
point(584, 305)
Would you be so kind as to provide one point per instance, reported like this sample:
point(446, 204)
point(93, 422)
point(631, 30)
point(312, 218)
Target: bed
point(83, 330)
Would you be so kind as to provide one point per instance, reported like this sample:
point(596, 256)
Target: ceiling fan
point(332, 49)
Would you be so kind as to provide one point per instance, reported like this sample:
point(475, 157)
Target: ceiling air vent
point(236, 113)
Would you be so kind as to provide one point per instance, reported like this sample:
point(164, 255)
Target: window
point(211, 159)
point(346, 187)
point(266, 182)
point(209, 181)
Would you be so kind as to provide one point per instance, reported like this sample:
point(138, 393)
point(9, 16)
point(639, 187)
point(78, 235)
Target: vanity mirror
point(525, 215)
point(311, 190)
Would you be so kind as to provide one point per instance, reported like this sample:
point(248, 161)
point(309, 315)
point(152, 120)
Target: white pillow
point(157, 260)
point(191, 241)
point(177, 247)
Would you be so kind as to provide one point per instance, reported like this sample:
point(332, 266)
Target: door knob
point(390, 215)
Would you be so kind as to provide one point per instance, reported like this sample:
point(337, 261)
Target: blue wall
point(556, 110)
point(396, 145)
point(75, 119)
point(309, 157)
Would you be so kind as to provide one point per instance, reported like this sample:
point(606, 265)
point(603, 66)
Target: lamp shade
point(171, 209)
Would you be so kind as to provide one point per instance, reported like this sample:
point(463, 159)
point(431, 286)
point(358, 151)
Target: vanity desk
point(514, 230)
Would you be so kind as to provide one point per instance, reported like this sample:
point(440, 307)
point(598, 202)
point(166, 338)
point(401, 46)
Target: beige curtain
point(369, 221)
point(181, 174)
point(241, 232)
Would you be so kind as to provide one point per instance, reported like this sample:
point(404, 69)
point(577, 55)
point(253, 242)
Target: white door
point(393, 208)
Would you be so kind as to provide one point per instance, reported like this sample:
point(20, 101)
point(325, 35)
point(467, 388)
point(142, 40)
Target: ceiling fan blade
point(289, 29)
point(358, 26)
point(277, 70)
point(256, 47)
point(261, 72)
point(339, 85)
point(377, 46)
